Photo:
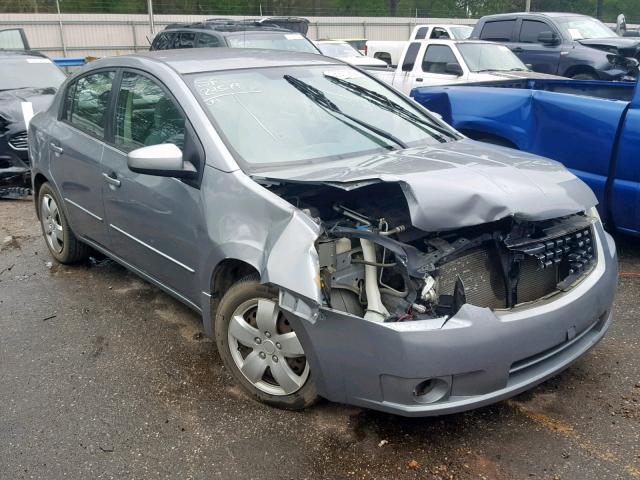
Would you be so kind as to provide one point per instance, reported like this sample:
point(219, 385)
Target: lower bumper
point(476, 358)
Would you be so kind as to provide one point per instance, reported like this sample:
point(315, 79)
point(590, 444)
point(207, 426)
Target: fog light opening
point(431, 390)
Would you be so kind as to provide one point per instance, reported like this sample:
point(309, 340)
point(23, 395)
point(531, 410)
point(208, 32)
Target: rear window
point(410, 57)
point(498, 31)
point(163, 41)
point(294, 42)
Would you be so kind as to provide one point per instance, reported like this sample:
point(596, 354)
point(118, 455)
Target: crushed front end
point(421, 323)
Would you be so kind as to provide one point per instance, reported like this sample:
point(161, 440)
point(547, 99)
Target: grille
point(542, 265)
point(19, 141)
point(481, 277)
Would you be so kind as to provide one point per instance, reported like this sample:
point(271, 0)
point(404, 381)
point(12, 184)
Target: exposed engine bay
point(375, 264)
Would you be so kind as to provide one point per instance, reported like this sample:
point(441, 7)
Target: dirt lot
point(104, 376)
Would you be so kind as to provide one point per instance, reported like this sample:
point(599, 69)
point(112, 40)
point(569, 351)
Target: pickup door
point(543, 58)
point(596, 138)
point(428, 63)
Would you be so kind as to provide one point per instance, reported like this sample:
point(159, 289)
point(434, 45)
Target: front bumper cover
point(476, 358)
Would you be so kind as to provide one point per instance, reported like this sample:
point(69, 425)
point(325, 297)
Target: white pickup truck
point(449, 62)
point(390, 51)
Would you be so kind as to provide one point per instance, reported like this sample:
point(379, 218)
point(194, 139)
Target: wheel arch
point(38, 180)
point(578, 69)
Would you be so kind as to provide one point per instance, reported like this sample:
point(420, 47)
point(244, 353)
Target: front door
point(76, 148)
point(154, 221)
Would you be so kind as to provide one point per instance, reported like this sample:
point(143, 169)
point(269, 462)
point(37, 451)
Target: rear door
point(154, 222)
point(404, 77)
point(77, 146)
point(542, 58)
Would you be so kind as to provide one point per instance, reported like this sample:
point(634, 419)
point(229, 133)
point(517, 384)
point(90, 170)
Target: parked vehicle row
point(593, 128)
point(338, 239)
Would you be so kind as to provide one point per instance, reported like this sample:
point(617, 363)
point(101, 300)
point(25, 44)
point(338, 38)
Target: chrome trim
point(155, 250)
point(143, 274)
point(83, 209)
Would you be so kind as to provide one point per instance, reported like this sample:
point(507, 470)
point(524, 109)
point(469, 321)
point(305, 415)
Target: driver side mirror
point(549, 38)
point(454, 69)
point(163, 160)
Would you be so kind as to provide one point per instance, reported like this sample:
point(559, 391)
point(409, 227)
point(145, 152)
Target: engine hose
point(374, 264)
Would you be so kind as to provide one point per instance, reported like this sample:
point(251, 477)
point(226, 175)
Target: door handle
point(58, 150)
point(517, 50)
point(418, 79)
point(111, 180)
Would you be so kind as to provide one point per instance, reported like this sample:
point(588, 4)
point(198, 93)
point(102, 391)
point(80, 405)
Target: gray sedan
point(338, 239)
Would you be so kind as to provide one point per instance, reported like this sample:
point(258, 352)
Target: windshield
point(284, 115)
point(579, 28)
point(272, 41)
point(462, 32)
point(30, 72)
point(338, 50)
point(486, 56)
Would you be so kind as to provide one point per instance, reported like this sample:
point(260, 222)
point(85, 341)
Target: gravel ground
point(104, 376)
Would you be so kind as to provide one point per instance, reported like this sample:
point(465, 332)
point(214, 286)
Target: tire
point(584, 76)
point(259, 348)
point(61, 241)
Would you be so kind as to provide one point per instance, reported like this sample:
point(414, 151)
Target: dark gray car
point(567, 44)
point(338, 239)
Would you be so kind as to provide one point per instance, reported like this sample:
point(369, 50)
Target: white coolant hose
point(376, 311)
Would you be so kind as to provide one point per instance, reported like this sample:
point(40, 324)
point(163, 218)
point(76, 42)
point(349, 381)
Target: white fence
point(79, 35)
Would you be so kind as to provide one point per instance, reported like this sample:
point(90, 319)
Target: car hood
point(11, 101)
point(456, 184)
point(628, 47)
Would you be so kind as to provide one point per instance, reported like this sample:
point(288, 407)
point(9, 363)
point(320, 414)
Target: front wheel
point(260, 348)
point(584, 76)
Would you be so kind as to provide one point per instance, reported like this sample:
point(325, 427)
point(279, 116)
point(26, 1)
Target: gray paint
point(175, 235)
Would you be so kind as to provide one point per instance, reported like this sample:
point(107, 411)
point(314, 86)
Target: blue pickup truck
point(592, 127)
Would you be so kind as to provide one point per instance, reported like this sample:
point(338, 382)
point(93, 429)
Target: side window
point(89, 103)
point(498, 31)
point(410, 57)
point(146, 115)
point(440, 33)
point(186, 40)
point(436, 58)
point(205, 41)
point(531, 29)
point(422, 33)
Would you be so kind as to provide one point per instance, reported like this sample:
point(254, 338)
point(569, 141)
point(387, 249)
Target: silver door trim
point(83, 209)
point(143, 274)
point(155, 250)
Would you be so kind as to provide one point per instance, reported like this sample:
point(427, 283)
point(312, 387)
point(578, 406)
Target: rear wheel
point(259, 347)
point(61, 241)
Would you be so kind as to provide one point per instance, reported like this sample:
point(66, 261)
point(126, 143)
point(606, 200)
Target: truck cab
point(450, 62)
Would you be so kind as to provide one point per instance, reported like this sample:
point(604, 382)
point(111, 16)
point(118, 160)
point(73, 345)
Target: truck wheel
point(260, 348)
point(61, 241)
point(584, 76)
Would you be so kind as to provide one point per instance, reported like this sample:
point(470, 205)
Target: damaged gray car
point(339, 240)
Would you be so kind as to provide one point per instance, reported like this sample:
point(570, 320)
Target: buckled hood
point(627, 47)
point(11, 101)
point(457, 184)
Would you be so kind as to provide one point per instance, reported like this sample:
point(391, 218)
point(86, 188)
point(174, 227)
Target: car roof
point(540, 14)
point(224, 28)
point(193, 60)
point(20, 54)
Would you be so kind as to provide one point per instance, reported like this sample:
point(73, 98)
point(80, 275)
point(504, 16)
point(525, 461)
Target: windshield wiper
point(386, 104)
point(321, 99)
